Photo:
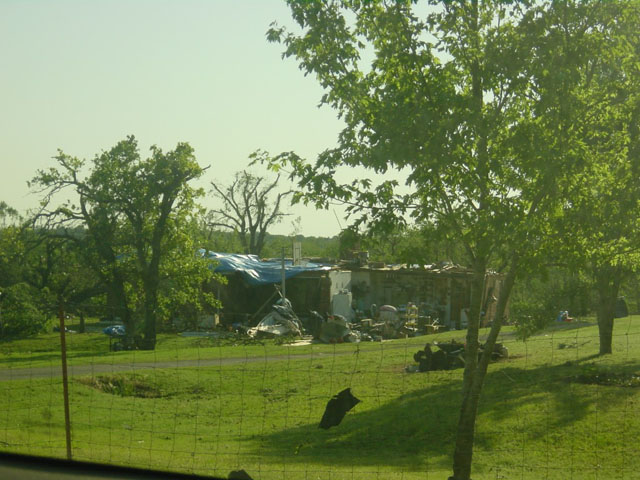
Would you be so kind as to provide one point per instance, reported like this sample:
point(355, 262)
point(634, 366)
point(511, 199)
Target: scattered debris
point(114, 331)
point(390, 322)
point(332, 329)
point(500, 351)
point(336, 330)
point(118, 333)
point(575, 344)
point(56, 328)
point(449, 356)
point(337, 408)
point(563, 316)
point(280, 321)
point(306, 340)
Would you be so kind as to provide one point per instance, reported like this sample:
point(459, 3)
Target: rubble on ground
point(448, 356)
point(280, 321)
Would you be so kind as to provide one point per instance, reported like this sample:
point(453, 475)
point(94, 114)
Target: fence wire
point(209, 405)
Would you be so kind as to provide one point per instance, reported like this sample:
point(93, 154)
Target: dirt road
point(8, 374)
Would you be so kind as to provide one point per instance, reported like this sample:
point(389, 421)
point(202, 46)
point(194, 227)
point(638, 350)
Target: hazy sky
point(82, 75)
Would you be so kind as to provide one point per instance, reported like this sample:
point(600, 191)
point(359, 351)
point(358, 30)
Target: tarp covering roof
point(255, 271)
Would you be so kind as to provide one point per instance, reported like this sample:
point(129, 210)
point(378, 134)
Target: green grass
point(554, 410)
point(44, 350)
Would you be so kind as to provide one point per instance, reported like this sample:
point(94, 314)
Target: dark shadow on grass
point(401, 433)
point(508, 388)
point(417, 429)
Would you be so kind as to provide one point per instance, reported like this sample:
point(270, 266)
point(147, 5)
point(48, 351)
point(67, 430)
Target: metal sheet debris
point(280, 321)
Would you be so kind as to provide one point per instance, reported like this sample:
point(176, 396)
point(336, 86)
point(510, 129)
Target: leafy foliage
point(482, 104)
point(134, 215)
point(600, 219)
point(19, 315)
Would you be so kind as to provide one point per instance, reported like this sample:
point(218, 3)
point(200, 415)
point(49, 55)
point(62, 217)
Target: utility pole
point(284, 290)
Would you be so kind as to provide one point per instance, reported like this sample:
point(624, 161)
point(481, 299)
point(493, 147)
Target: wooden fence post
point(65, 379)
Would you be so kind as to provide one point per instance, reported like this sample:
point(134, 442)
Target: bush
point(20, 316)
point(531, 317)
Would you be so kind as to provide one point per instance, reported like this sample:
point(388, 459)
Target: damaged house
point(440, 291)
point(253, 286)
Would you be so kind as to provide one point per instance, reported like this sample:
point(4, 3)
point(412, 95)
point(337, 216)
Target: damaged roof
point(255, 271)
point(436, 268)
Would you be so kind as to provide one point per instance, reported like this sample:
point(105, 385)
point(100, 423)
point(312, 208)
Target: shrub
point(19, 315)
point(531, 317)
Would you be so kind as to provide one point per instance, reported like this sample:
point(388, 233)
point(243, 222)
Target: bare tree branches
point(249, 208)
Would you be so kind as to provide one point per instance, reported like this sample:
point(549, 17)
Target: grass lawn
point(554, 410)
point(93, 348)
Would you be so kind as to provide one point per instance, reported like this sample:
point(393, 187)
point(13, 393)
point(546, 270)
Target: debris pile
point(280, 321)
point(388, 323)
point(118, 339)
point(332, 329)
point(449, 356)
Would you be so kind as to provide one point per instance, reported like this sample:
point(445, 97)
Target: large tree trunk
point(466, 425)
point(605, 328)
point(608, 280)
point(148, 342)
point(474, 375)
point(151, 285)
point(118, 307)
point(82, 328)
point(151, 279)
point(150, 314)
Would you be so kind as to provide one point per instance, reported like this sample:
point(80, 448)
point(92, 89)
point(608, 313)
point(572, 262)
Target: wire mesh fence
point(213, 403)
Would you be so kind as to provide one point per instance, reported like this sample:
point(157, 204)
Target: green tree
point(8, 214)
point(600, 229)
point(56, 264)
point(11, 247)
point(20, 314)
point(412, 244)
point(218, 239)
point(538, 298)
point(312, 247)
point(132, 211)
point(248, 208)
point(599, 226)
point(350, 241)
point(479, 102)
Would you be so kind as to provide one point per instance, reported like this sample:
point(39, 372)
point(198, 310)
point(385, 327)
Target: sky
point(81, 75)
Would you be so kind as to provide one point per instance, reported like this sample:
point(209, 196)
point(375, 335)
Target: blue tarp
point(255, 271)
point(114, 331)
